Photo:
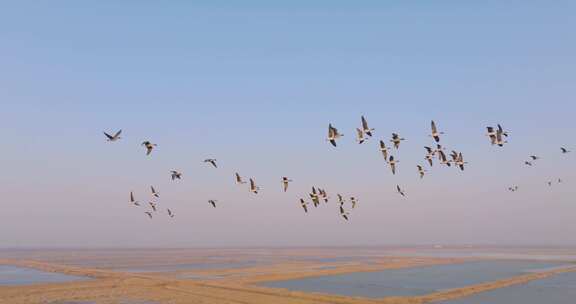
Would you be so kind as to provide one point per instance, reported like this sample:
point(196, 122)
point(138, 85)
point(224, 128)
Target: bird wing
point(433, 125)
point(364, 124)
point(108, 135)
point(118, 133)
point(131, 196)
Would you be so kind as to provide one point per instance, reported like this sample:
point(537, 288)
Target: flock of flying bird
point(496, 135)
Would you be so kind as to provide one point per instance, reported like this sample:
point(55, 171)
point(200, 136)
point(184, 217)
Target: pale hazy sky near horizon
point(254, 85)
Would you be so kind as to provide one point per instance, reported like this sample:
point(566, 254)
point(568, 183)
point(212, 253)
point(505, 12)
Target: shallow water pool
point(412, 281)
point(14, 275)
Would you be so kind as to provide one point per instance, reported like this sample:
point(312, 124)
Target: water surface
point(559, 289)
point(412, 281)
point(14, 275)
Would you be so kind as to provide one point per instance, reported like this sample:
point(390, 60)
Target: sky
point(254, 84)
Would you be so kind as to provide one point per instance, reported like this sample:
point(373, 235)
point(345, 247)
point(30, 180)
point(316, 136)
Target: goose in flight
point(384, 150)
point(392, 162)
point(253, 188)
point(443, 159)
point(333, 134)
point(212, 202)
point(211, 161)
point(399, 190)
point(429, 155)
point(149, 214)
point(239, 179)
point(285, 181)
point(421, 171)
point(322, 193)
point(360, 136)
point(314, 197)
point(454, 156)
point(396, 139)
point(549, 183)
point(149, 146)
point(175, 175)
point(365, 127)
point(435, 134)
point(513, 188)
point(460, 161)
point(170, 214)
point(353, 201)
point(304, 205)
point(564, 150)
point(153, 205)
point(114, 137)
point(132, 200)
point(154, 193)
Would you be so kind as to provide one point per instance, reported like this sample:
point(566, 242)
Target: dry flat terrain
point(114, 281)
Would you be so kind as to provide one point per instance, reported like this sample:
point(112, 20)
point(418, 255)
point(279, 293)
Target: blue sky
point(254, 85)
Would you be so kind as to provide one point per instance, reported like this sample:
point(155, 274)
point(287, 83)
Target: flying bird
point(149, 147)
point(384, 150)
point(153, 205)
point(564, 150)
point(443, 159)
point(211, 161)
point(132, 200)
point(435, 134)
point(353, 201)
point(340, 199)
point(314, 197)
point(429, 155)
point(154, 193)
point(400, 190)
point(239, 179)
point(170, 214)
point(322, 193)
point(392, 162)
point(175, 175)
point(212, 202)
point(253, 188)
point(513, 188)
point(149, 214)
point(365, 127)
point(333, 134)
point(304, 205)
point(396, 139)
point(285, 182)
point(115, 137)
point(359, 136)
point(421, 171)
point(460, 161)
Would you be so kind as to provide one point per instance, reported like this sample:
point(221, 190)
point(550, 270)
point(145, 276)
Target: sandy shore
point(232, 285)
